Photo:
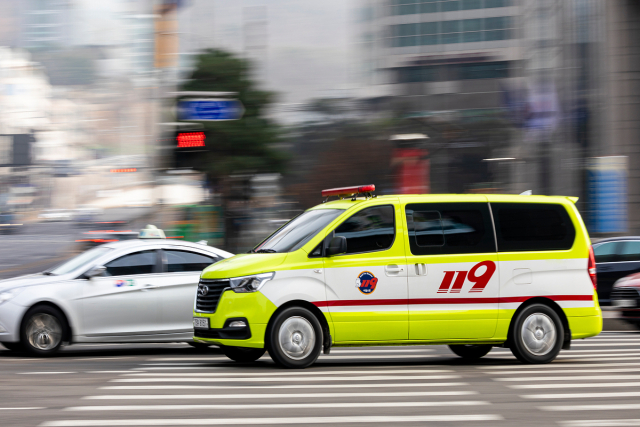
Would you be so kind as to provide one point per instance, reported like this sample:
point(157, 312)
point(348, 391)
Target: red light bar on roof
point(348, 191)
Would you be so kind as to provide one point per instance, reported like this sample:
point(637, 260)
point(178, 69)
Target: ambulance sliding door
point(453, 275)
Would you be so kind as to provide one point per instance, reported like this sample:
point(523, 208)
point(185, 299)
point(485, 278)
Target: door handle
point(393, 270)
point(148, 287)
point(421, 269)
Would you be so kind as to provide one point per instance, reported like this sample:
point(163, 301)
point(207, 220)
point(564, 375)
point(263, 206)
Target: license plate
point(201, 322)
point(624, 302)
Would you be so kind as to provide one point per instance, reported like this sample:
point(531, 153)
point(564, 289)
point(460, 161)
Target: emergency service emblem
point(366, 282)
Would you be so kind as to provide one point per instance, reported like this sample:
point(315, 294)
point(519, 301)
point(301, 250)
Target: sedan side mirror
point(95, 271)
point(337, 246)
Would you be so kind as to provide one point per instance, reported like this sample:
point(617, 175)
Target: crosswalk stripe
point(595, 350)
point(288, 386)
point(600, 423)
point(572, 378)
point(611, 407)
point(605, 345)
point(359, 356)
point(566, 370)
point(387, 350)
point(581, 395)
point(574, 385)
point(236, 379)
point(555, 366)
point(278, 406)
point(276, 421)
point(277, 395)
point(290, 373)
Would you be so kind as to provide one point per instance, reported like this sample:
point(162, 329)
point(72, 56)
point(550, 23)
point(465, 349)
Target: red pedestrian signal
point(190, 139)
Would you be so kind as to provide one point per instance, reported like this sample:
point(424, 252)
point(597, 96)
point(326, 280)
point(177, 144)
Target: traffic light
point(188, 149)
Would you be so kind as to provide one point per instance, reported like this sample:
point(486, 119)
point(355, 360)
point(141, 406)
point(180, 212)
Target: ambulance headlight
point(250, 283)
point(10, 294)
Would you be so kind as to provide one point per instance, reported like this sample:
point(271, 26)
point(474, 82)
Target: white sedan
point(139, 290)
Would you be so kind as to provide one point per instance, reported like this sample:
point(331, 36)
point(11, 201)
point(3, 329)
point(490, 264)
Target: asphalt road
point(597, 383)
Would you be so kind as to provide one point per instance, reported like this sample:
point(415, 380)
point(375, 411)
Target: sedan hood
point(29, 280)
point(244, 265)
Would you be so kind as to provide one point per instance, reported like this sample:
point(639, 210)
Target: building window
point(471, 71)
point(407, 7)
point(457, 31)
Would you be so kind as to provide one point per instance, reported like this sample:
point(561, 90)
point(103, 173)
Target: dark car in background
point(615, 258)
point(625, 298)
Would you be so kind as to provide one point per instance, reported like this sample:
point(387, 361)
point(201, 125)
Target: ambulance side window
point(532, 227)
point(371, 229)
point(449, 228)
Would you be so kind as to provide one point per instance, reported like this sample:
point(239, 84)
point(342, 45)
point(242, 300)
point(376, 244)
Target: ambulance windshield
point(294, 234)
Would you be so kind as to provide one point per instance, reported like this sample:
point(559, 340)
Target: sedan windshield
point(78, 261)
point(294, 234)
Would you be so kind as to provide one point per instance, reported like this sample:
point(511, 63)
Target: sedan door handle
point(148, 287)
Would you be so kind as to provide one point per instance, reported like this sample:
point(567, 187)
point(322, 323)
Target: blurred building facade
point(532, 69)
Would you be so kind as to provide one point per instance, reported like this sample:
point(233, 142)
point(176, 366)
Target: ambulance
point(468, 271)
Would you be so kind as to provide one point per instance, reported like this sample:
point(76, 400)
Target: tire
point(537, 334)
point(243, 354)
point(42, 331)
point(471, 351)
point(13, 346)
point(295, 338)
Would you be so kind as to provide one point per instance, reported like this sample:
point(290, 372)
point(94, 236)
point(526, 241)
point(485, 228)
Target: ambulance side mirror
point(95, 271)
point(337, 246)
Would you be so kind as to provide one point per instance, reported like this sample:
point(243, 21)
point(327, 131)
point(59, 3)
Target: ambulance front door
point(453, 278)
point(367, 286)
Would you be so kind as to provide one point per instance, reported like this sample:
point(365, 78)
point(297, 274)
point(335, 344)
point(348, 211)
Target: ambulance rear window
point(532, 227)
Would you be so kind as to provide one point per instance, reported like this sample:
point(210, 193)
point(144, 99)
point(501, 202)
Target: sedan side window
point(143, 262)
point(181, 261)
point(605, 252)
point(630, 251)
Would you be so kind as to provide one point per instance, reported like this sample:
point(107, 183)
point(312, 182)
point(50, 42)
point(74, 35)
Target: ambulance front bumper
point(252, 308)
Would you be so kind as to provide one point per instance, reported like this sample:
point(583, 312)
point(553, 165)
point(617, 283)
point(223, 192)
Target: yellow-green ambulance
point(468, 271)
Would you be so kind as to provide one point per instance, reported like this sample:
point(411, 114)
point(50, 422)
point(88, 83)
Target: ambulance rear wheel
point(295, 338)
point(537, 334)
point(243, 354)
point(471, 351)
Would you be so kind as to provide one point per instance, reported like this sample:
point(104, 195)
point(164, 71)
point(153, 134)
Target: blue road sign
point(201, 110)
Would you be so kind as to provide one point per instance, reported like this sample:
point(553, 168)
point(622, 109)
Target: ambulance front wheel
point(243, 354)
point(536, 335)
point(295, 338)
point(471, 351)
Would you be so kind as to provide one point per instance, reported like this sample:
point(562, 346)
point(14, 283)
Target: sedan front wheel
point(42, 331)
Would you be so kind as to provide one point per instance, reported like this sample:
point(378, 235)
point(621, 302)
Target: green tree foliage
point(237, 146)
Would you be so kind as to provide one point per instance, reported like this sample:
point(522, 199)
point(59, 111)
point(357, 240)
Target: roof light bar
point(348, 191)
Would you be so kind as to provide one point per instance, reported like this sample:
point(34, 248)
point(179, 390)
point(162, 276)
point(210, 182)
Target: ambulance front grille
point(207, 302)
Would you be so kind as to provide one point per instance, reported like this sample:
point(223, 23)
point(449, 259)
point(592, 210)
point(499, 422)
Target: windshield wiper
point(265, 251)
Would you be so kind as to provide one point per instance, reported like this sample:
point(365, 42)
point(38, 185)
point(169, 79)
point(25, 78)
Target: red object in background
point(123, 170)
point(347, 191)
point(190, 139)
point(412, 171)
